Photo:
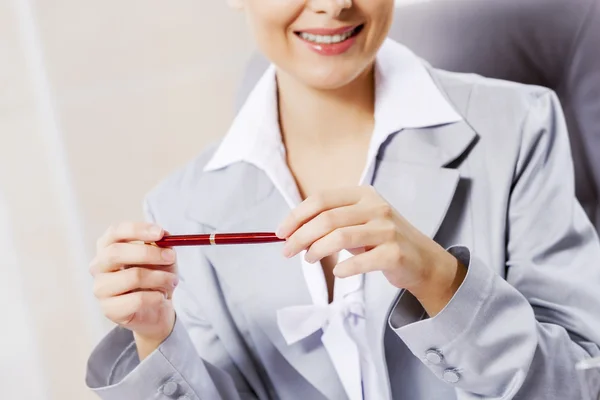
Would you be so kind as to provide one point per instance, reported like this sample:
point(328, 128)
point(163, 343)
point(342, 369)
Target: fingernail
point(280, 233)
point(168, 255)
point(155, 230)
point(175, 282)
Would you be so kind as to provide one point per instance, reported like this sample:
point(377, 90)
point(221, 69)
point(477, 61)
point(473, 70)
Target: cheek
point(270, 22)
point(380, 14)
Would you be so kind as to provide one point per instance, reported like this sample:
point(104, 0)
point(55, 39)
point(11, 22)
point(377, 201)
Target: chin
point(331, 77)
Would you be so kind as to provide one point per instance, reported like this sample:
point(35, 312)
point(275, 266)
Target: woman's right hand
point(134, 282)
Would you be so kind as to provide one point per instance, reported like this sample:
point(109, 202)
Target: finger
point(314, 205)
point(130, 231)
point(121, 282)
point(324, 224)
point(118, 255)
point(351, 237)
point(122, 309)
point(372, 260)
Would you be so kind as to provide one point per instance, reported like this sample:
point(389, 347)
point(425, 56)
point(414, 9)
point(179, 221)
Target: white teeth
point(327, 39)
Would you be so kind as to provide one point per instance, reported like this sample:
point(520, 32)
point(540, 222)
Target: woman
point(434, 248)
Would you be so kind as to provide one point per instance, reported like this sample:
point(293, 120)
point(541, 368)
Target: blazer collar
point(230, 196)
point(406, 97)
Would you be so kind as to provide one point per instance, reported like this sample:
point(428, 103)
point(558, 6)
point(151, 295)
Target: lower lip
point(331, 49)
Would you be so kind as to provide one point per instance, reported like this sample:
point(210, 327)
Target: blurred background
point(98, 101)
point(101, 100)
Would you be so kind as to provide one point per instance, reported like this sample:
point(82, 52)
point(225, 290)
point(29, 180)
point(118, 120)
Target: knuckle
point(318, 201)
point(151, 255)
point(389, 230)
point(159, 297)
point(385, 211)
point(146, 253)
point(340, 238)
point(396, 254)
point(136, 277)
point(166, 278)
point(329, 221)
point(390, 234)
point(112, 253)
point(155, 298)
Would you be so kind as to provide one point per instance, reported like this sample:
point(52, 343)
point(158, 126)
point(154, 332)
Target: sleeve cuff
point(115, 373)
point(424, 336)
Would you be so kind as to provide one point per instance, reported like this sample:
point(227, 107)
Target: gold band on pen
point(212, 239)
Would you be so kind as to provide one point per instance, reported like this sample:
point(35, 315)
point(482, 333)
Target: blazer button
point(451, 376)
point(170, 389)
point(434, 356)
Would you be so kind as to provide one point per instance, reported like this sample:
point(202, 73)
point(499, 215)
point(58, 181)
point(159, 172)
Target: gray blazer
point(551, 43)
point(499, 185)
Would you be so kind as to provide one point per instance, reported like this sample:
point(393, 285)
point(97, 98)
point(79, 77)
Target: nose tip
point(343, 4)
point(335, 7)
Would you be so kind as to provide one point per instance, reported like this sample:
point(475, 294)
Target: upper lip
point(328, 31)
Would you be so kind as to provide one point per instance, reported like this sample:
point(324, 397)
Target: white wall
point(19, 352)
point(98, 101)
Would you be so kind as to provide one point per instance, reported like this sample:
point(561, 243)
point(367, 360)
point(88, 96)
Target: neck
point(316, 116)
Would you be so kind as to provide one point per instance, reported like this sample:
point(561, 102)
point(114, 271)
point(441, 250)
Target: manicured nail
point(155, 231)
point(280, 233)
point(168, 255)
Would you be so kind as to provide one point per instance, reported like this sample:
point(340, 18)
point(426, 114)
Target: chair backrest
point(552, 43)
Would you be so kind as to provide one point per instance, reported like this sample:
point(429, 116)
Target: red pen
point(214, 239)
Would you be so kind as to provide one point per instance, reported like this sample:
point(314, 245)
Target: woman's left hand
point(359, 220)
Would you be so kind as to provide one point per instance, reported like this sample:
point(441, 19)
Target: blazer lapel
point(412, 175)
point(262, 281)
point(412, 172)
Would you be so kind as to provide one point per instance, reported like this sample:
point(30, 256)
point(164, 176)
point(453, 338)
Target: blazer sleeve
point(521, 337)
point(176, 370)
